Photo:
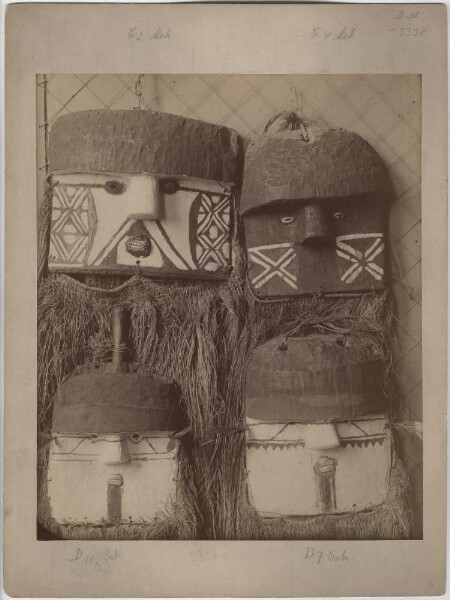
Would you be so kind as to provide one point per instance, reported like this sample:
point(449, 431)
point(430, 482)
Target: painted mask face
point(136, 188)
point(287, 476)
point(101, 479)
point(314, 214)
point(112, 222)
point(308, 247)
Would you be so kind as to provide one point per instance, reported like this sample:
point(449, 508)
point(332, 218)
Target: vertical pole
point(41, 133)
point(44, 86)
point(120, 330)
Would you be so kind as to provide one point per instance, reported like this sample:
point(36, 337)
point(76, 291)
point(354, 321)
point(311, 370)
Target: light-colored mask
point(117, 223)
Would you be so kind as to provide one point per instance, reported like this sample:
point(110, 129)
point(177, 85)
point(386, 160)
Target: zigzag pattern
point(274, 445)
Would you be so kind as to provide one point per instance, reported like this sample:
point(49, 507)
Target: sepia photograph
point(226, 258)
point(229, 307)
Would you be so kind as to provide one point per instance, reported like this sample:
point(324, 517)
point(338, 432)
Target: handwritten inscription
point(95, 558)
point(409, 14)
point(407, 24)
point(340, 34)
point(321, 556)
point(138, 35)
point(414, 32)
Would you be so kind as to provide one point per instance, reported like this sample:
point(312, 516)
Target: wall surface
point(384, 109)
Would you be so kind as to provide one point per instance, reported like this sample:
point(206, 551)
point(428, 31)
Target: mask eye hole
point(114, 187)
point(287, 220)
point(169, 186)
point(339, 216)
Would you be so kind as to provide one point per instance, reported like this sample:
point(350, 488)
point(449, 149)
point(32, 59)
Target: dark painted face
point(320, 246)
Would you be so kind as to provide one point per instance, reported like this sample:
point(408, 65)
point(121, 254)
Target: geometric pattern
point(275, 265)
point(364, 443)
point(362, 261)
point(213, 231)
point(283, 445)
point(69, 235)
point(153, 232)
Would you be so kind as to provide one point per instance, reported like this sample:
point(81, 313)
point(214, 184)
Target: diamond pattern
point(213, 238)
point(384, 109)
point(70, 230)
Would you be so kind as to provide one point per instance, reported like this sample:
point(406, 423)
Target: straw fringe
point(201, 336)
point(190, 334)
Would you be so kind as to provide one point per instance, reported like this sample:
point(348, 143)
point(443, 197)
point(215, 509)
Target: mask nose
point(313, 226)
point(145, 198)
point(154, 200)
point(114, 450)
point(321, 436)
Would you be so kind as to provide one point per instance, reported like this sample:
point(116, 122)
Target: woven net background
point(384, 109)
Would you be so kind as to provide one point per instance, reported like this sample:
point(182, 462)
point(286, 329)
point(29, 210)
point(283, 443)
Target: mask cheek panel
point(210, 231)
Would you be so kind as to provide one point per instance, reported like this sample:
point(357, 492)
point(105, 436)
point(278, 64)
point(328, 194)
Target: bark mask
point(314, 206)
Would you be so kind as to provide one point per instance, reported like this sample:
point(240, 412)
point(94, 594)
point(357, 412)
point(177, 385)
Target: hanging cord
point(44, 220)
point(412, 427)
point(138, 90)
point(142, 279)
point(128, 283)
point(290, 120)
point(309, 297)
point(212, 435)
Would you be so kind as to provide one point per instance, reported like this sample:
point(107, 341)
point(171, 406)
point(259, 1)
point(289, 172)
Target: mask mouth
point(138, 244)
point(138, 247)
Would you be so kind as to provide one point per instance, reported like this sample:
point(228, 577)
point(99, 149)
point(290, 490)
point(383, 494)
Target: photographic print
point(229, 307)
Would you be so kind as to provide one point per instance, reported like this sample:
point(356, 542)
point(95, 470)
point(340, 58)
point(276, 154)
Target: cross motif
point(273, 267)
point(361, 261)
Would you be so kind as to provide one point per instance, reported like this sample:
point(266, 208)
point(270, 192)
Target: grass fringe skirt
point(201, 336)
